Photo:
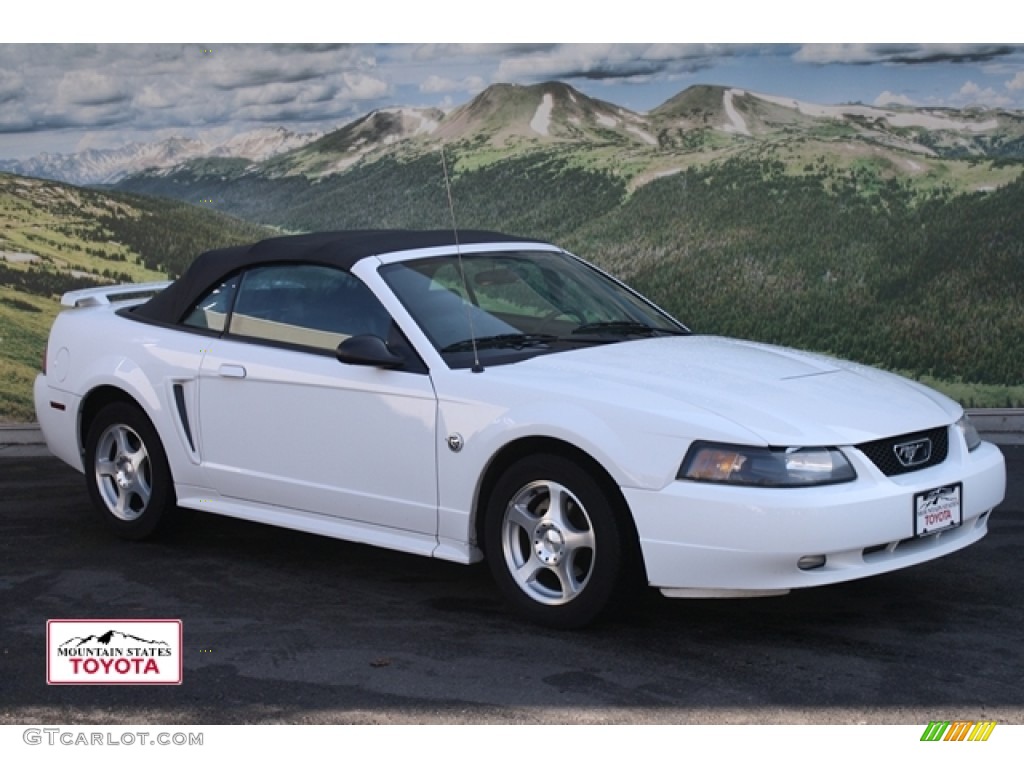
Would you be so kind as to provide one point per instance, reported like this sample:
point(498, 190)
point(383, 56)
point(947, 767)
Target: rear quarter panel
point(92, 348)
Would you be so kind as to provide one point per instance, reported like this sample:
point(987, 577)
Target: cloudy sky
point(72, 96)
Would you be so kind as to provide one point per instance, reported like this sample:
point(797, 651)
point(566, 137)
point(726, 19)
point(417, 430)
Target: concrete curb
point(1002, 426)
point(18, 440)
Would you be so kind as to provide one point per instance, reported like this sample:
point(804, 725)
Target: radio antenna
point(477, 368)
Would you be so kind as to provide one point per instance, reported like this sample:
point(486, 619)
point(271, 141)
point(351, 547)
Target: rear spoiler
point(108, 294)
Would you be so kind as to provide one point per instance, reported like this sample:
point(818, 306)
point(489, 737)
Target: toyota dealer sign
point(114, 651)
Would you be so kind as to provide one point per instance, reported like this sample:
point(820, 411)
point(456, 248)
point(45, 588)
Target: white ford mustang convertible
point(482, 396)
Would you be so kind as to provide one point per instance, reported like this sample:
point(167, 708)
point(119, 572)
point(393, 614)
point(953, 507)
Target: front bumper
point(709, 540)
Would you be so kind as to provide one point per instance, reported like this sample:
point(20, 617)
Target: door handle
point(232, 371)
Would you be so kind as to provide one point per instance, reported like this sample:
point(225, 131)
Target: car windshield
point(519, 304)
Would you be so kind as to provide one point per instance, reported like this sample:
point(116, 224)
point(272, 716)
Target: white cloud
point(91, 140)
point(90, 88)
point(607, 61)
point(12, 85)
point(971, 94)
point(901, 53)
point(164, 96)
point(364, 87)
point(183, 88)
point(1017, 83)
point(886, 98)
point(438, 84)
point(846, 53)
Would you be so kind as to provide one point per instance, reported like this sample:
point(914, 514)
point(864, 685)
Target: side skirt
point(200, 499)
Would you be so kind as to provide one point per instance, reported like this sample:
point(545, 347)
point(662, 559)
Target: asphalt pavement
point(284, 627)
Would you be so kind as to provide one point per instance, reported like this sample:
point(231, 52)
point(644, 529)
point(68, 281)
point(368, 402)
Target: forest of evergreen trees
point(865, 271)
point(168, 235)
point(850, 262)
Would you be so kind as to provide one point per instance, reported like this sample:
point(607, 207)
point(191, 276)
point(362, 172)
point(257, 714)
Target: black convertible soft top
point(338, 249)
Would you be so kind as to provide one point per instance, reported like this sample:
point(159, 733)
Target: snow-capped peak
point(106, 166)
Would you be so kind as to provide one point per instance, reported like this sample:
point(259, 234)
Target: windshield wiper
point(625, 328)
point(502, 341)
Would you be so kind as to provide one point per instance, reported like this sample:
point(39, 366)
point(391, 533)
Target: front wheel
point(557, 545)
point(126, 472)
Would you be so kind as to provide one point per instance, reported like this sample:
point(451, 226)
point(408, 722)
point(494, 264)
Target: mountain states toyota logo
point(113, 652)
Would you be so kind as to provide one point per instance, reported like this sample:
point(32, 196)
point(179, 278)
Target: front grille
point(883, 453)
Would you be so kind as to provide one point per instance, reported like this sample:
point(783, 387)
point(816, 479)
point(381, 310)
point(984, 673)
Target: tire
point(558, 547)
point(126, 472)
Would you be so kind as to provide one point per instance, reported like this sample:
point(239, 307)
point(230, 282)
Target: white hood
point(782, 396)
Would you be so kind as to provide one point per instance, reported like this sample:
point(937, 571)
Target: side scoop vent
point(179, 402)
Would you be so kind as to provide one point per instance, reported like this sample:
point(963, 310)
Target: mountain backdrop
point(892, 236)
point(105, 166)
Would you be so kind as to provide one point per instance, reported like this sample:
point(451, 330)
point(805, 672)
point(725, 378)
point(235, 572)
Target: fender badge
point(455, 442)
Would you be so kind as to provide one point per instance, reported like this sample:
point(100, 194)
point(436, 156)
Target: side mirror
point(368, 350)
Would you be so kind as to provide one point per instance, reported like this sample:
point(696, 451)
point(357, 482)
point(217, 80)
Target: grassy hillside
point(55, 238)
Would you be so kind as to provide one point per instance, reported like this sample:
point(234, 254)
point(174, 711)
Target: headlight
point(967, 429)
point(765, 467)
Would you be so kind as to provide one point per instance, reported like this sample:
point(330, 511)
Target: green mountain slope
point(842, 250)
point(541, 191)
point(933, 286)
point(56, 237)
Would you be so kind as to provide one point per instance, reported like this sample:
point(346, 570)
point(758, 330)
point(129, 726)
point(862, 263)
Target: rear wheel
point(126, 472)
point(557, 545)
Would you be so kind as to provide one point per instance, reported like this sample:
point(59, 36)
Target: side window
point(211, 311)
point(307, 305)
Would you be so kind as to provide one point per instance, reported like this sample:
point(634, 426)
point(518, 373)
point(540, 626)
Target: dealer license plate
point(938, 509)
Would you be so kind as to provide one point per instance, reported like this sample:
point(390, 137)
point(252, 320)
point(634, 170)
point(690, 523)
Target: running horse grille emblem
point(913, 453)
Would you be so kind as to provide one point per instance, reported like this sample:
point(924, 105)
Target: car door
point(283, 422)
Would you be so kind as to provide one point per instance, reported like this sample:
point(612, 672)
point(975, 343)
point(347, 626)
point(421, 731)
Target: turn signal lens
point(716, 464)
point(765, 467)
